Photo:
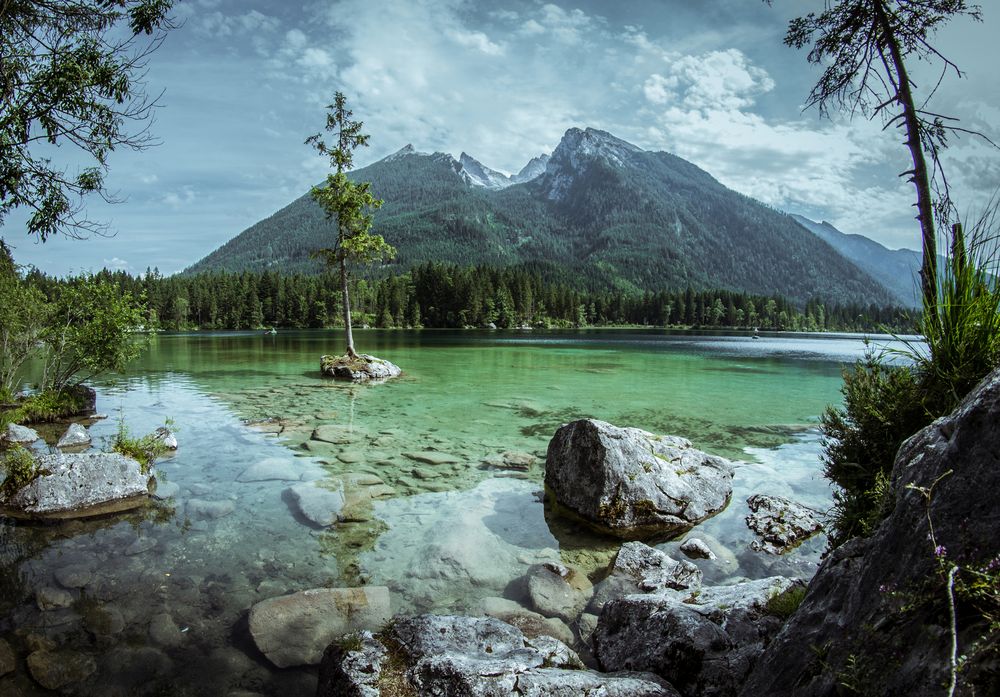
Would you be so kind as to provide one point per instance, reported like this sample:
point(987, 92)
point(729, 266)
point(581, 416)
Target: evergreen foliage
point(450, 296)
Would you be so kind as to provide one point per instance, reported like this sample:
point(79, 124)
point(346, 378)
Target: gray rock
point(76, 435)
point(859, 606)
point(163, 631)
point(473, 657)
point(201, 509)
point(558, 591)
point(295, 629)
point(345, 498)
point(56, 669)
point(781, 524)
point(632, 483)
point(8, 662)
point(53, 598)
point(271, 469)
point(352, 672)
point(361, 369)
point(167, 437)
point(704, 642)
point(19, 434)
point(81, 485)
point(697, 549)
point(639, 568)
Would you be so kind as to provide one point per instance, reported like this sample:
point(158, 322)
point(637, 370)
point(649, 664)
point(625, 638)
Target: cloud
point(116, 264)
point(476, 40)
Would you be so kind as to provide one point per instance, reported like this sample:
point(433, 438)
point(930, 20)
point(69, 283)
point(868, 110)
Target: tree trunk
point(347, 310)
point(920, 177)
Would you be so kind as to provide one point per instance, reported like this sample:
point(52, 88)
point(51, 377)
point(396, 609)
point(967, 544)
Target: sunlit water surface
point(441, 536)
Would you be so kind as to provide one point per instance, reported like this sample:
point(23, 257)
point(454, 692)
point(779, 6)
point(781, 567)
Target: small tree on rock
point(347, 203)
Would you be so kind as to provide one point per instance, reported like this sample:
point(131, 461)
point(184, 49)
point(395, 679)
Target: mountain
point(599, 213)
point(896, 269)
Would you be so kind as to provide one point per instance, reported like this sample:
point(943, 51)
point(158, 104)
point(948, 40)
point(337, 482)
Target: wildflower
point(940, 551)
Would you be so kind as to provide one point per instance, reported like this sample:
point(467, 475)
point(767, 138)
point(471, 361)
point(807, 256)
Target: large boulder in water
point(469, 657)
point(876, 613)
point(360, 368)
point(80, 485)
point(632, 483)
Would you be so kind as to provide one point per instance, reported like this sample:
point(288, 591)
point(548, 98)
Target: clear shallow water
point(441, 536)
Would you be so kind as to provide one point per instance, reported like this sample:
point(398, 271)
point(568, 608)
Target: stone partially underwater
point(634, 484)
point(361, 368)
point(79, 486)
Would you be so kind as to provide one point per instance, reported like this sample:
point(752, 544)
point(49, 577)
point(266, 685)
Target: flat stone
point(200, 509)
point(75, 436)
point(74, 575)
point(57, 669)
point(51, 598)
point(271, 469)
point(166, 490)
point(295, 629)
point(350, 457)
point(424, 473)
point(321, 505)
point(433, 457)
point(336, 434)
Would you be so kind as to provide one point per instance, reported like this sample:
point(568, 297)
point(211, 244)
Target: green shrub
point(884, 404)
point(20, 468)
point(43, 407)
point(146, 449)
point(784, 605)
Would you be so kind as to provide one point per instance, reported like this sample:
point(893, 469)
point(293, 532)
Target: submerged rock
point(361, 369)
point(704, 642)
point(338, 499)
point(16, 433)
point(781, 524)
point(631, 483)
point(860, 606)
point(295, 629)
point(639, 568)
point(56, 669)
point(75, 436)
point(80, 485)
point(470, 657)
point(271, 469)
point(559, 591)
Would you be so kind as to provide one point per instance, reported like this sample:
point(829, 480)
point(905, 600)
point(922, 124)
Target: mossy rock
point(361, 368)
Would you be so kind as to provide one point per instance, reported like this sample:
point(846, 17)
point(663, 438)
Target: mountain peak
point(404, 151)
point(478, 174)
point(577, 150)
point(534, 169)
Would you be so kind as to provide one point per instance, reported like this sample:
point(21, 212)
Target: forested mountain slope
point(599, 212)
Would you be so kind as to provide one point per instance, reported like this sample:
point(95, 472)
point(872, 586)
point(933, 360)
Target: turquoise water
point(441, 536)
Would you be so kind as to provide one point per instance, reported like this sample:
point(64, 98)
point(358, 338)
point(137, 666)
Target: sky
point(244, 82)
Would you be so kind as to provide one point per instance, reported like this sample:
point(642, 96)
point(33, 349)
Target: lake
point(158, 599)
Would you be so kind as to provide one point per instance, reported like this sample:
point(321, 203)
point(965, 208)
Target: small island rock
point(632, 483)
point(362, 368)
